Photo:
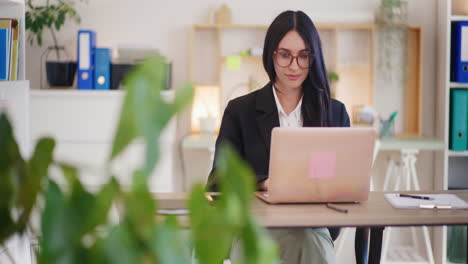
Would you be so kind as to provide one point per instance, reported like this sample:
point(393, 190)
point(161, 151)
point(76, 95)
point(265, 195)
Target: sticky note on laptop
point(322, 165)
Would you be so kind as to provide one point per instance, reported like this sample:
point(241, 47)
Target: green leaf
point(54, 227)
point(212, 236)
point(216, 227)
point(258, 246)
point(99, 211)
point(7, 191)
point(120, 247)
point(238, 179)
point(12, 174)
point(71, 219)
point(38, 169)
point(167, 243)
point(184, 96)
point(10, 151)
point(140, 207)
point(144, 113)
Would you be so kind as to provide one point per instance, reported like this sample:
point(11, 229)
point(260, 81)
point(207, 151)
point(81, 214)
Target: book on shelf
point(9, 49)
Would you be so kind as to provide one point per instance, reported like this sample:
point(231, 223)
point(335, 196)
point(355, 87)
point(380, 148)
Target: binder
point(458, 119)
point(86, 49)
point(459, 56)
point(102, 69)
point(3, 54)
point(14, 51)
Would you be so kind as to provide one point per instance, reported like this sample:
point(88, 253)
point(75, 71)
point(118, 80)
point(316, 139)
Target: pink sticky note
point(322, 165)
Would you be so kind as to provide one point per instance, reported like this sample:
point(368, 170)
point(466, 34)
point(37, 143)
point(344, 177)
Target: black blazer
point(247, 124)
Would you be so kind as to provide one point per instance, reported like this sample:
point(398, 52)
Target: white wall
point(165, 25)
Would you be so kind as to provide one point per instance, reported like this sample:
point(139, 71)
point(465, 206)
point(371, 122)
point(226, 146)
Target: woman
point(297, 95)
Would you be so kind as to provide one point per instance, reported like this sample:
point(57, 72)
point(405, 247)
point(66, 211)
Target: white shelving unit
point(458, 154)
point(451, 166)
point(458, 18)
point(83, 124)
point(458, 85)
point(16, 95)
point(16, 9)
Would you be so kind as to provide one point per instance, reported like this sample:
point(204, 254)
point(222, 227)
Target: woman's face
point(291, 76)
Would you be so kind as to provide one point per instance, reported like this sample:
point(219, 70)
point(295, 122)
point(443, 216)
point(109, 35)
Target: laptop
point(319, 165)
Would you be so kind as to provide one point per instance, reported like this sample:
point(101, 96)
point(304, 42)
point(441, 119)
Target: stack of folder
point(458, 119)
point(93, 63)
point(96, 70)
point(9, 45)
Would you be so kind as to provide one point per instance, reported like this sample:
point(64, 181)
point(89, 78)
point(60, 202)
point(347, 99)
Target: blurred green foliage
point(75, 225)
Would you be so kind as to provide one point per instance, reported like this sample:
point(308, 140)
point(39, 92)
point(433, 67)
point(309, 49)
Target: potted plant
point(333, 78)
point(392, 22)
point(74, 224)
point(51, 16)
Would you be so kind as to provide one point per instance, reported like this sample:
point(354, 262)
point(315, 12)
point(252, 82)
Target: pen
point(341, 210)
point(415, 196)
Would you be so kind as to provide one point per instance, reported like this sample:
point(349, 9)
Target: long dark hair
point(316, 101)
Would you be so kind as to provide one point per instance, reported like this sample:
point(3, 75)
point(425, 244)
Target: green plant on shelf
point(392, 34)
point(333, 78)
point(50, 16)
point(74, 224)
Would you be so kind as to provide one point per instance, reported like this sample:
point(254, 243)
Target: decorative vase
point(223, 15)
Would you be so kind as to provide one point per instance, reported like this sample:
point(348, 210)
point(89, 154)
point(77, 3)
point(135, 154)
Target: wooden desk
point(376, 213)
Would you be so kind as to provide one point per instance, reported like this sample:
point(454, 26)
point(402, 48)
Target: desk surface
point(375, 212)
point(386, 144)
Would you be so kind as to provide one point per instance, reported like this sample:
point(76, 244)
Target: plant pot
point(60, 74)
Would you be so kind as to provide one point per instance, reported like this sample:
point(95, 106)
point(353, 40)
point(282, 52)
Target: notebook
point(436, 201)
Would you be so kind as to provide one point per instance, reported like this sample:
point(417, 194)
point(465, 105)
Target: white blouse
point(294, 119)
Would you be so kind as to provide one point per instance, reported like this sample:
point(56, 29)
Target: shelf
point(260, 26)
point(5, 3)
point(345, 26)
point(206, 84)
point(167, 95)
point(247, 58)
point(458, 85)
point(75, 92)
point(229, 26)
point(458, 153)
point(459, 18)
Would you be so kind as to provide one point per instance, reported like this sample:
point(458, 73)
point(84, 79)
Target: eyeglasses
point(284, 58)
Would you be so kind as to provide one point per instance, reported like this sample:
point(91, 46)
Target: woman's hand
point(263, 185)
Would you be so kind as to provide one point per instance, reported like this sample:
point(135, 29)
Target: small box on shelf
point(460, 7)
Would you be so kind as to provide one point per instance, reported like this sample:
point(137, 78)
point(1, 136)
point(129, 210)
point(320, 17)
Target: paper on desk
point(450, 201)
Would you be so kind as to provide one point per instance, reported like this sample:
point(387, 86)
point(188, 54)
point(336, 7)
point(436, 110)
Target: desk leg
point(361, 245)
point(375, 246)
